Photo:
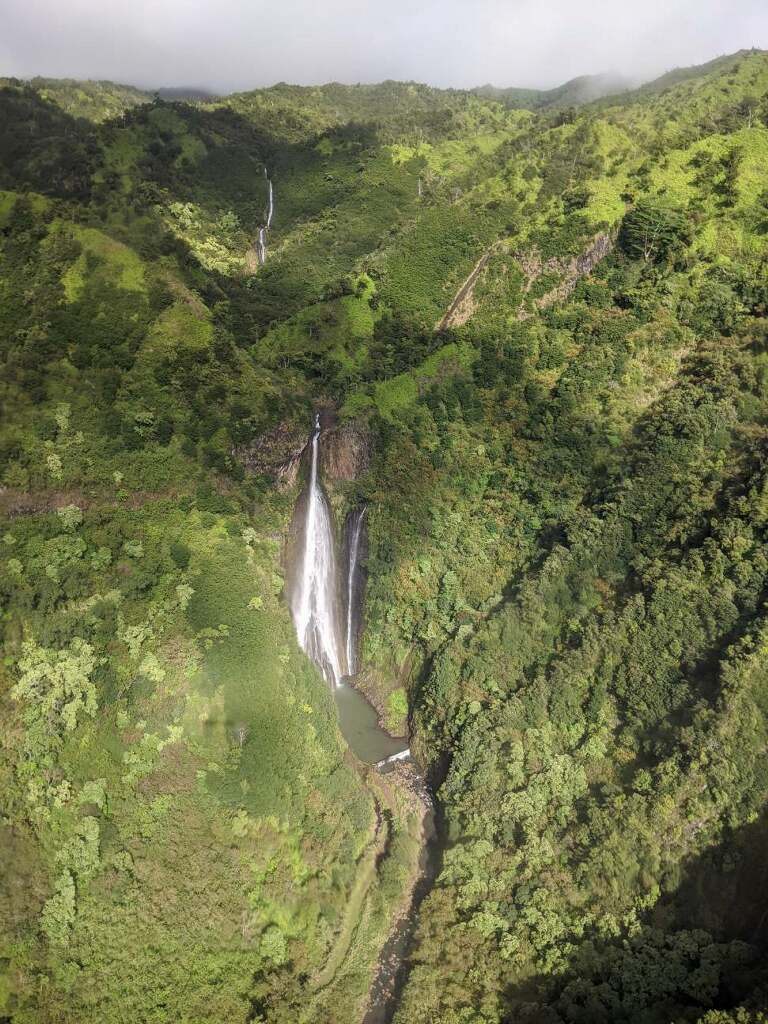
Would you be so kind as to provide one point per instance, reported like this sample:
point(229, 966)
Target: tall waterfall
point(315, 598)
point(353, 532)
point(261, 243)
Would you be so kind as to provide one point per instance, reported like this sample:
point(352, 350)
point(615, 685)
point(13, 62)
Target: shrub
point(180, 554)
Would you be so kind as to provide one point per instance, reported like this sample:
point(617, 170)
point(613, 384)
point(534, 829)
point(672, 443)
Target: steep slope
point(557, 523)
point(721, 64)
point(567, 573)
point(172, 769)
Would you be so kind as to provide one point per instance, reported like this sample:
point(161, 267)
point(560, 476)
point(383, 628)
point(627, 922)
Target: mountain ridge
point(575, 92)
point(566, 495)
point(578, 91)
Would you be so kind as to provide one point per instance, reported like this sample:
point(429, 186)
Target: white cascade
point(261, 243)
point(353, 590)
point(401, 755)
point(315, 604)
point(271, 207)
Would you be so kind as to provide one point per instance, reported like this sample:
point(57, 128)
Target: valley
point(383, 569)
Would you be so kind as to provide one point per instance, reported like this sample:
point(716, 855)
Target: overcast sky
point(225, 45)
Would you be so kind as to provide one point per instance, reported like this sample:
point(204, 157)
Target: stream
point(326, 593)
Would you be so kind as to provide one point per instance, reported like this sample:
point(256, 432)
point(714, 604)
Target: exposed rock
point(345, 453)
point(276, 453)
point(15, 502)
point(378, 683)
point(463, 304)
point(570, 271)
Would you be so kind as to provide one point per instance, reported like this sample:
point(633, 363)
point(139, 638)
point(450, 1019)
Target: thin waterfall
point(354, 529)
point(315, 599)
point(261, 243)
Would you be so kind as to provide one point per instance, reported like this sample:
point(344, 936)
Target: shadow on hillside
point(42, 148)
point(702, 947)
point(159, 157)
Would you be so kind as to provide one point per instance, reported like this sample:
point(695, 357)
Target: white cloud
point(238, 44)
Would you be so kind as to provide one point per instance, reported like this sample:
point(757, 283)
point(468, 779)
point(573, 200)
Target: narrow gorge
point(325, 590)
point(326, 593)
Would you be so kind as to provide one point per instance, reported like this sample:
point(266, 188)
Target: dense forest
point(545, 318)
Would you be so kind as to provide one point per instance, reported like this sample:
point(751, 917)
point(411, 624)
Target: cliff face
point(276, 453)
point(570, 270)
point(463, 305)
point(346, 452)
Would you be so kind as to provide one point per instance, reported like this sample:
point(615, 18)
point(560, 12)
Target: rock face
point(463, 305)
point(277, 453)
point(570, 270)
point(345, 453)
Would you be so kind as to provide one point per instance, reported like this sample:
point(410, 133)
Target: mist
point(227, 45)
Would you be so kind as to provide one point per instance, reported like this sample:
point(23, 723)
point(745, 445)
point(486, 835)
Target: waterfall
point(401, 755)
point(315, 603)
point(261, 244)
point(353, 532)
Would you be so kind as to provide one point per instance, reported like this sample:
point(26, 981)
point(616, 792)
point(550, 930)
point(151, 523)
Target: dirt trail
point(14, 502)
point(462, 307)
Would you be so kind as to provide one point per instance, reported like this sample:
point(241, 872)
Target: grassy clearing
point(120, 264)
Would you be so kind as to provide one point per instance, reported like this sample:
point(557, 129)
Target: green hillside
point(95, 101)
point(550, 327)
point(575, 92)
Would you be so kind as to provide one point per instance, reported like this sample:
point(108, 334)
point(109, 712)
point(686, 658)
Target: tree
point(761, 210)
point(59, 911)
point(56, 685)
point(652, 231)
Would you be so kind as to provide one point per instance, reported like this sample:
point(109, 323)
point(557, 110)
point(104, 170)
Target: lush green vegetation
point(95, 101)
point(577, 91)
point(567, 568)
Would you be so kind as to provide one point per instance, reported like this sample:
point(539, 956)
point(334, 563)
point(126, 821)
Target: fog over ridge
point(230, 45)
